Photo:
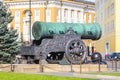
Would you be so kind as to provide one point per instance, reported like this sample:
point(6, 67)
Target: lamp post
point(30, 18)
point(84, 21)
point(61, 11)
point(47, 2)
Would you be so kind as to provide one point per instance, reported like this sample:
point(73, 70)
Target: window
point(17, 13)
point(26, 33)
point(108, 12)
point(105, 13)
point(84, 17)
point(112, 24)
point(107, 48)
point(89, 18)
point(48, 12)
point(72, 15)
point(109, 25)
point(48, 15)
point(101, 16)
point(105, 28)
point(37, 12)
point(17, 22)
point(17, 16)
point(112, 8)
point(66, 15)
point(58, 15)
point(27, 13)
point(37, 15)
point(78, 16)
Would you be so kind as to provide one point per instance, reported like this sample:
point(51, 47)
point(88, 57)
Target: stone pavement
point(82, 75)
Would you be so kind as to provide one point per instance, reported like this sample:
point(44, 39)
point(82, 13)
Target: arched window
point(27, 13)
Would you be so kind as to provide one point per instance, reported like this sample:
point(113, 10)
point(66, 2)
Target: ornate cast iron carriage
point(55, 41)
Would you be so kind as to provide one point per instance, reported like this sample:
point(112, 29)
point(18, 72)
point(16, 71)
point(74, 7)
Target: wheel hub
point(76, 51)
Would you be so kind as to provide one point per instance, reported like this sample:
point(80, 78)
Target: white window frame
point(89, 18)
point(66, 15)
point(48, 15)
point(84, 17)
point(26, 33)
point(17, 16)
point(37, 15)
point(17, 22)
point(72, 16)
point(58, 15)
point(112, 8)
point(78, 16)
point(27, 13)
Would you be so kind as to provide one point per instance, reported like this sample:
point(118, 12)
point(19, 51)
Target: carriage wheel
point(75, 51)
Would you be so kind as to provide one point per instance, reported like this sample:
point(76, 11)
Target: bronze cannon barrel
point(48, 29)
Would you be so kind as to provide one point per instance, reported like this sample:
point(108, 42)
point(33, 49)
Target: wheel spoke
point(71, 51)
point(81, 46)
point(75, 44)
point(72, 57)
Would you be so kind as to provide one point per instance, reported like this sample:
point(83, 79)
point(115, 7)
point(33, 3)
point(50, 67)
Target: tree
point(9, 46)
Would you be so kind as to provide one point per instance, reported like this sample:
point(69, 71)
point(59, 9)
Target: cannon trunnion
point(57, 41)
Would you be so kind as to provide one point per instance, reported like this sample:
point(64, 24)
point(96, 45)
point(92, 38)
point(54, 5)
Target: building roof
point(86, 1)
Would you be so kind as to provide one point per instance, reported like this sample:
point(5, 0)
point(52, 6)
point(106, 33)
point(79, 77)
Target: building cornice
point(42, 3)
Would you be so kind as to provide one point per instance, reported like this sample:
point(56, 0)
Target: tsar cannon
point(55, 41)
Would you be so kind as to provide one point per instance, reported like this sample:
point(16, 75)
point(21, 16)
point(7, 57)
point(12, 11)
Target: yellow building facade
point(68, 11)
point(108, 15)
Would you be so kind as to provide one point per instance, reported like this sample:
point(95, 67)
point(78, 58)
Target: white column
point(82, 16)
point(75, 16)
point(90, 48)
point(26, 34)
point(63, 18)
point(69, 16)
point(58, 15)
